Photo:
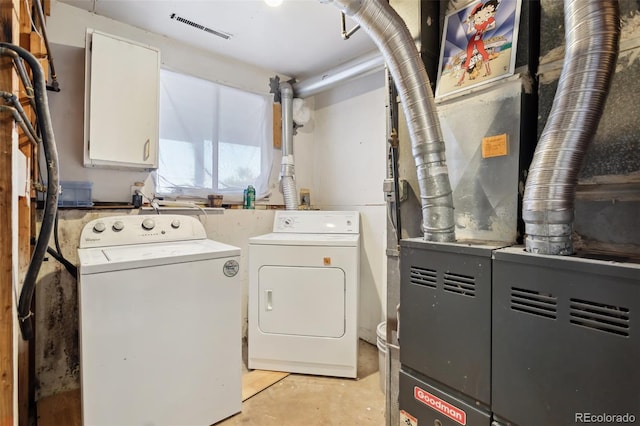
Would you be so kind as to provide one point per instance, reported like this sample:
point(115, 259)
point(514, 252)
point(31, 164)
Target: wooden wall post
point(6, 241)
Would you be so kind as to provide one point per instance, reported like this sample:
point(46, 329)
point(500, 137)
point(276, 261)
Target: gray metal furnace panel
point(565, 338)
point(485, 182)
point(445, 314)
point(429, 404)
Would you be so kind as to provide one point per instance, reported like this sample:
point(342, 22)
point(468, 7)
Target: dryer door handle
point(269, 294)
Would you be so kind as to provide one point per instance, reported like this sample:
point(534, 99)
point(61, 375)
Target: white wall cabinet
point(122, 80)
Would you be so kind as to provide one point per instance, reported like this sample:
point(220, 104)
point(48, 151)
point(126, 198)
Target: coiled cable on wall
point(592, 30)
point(43, 118)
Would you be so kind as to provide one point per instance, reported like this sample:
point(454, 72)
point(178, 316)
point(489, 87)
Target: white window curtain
point(214, 139)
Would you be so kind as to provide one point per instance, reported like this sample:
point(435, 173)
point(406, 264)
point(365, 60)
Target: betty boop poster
point(479, 45)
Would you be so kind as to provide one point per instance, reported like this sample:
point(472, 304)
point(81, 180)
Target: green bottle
point(251, 197)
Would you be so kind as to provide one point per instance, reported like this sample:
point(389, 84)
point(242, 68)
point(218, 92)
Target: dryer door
point(303, 301)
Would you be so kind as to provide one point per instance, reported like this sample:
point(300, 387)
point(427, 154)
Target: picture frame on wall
point(478, 45)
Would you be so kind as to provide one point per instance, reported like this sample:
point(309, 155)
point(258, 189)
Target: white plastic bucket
point(381, 332)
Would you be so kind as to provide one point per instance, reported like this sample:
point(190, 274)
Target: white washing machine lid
point(105, 259)
point(286, 239)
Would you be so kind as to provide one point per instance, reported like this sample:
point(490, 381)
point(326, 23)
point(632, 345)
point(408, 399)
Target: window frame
point(263, 127)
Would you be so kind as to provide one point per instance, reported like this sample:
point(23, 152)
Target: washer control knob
point(148, 224)
point(99, 227)
point(288, 221)
point(175, 224)
point(118, 226)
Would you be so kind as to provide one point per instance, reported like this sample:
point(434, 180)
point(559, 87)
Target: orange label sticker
point(495, 146)
point(327, 261)
point(407, 419)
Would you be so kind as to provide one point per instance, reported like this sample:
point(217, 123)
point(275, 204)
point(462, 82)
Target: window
point(213, 138)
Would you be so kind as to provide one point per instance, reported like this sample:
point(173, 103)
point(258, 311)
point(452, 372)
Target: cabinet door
point(121, 107)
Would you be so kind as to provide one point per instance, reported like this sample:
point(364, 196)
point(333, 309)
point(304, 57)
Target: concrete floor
point(323, 401)
point(295, 400)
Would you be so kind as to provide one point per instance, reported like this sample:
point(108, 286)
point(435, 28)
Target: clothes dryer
point(303, 294)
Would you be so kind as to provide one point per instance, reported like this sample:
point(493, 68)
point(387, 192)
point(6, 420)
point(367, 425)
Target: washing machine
point(159, 323)
point(303, 294)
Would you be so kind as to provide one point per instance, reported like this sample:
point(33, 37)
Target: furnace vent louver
point(611, 319)
point(424, 277)
point(220, 34)
point(533, 302)
point(460, 284)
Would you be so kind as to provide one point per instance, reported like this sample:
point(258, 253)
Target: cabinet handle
point(269, 300)
point(147, 145)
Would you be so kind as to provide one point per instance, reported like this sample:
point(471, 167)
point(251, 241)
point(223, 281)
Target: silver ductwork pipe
point(358, 67)
point(391, 35)
point(287, 173)
point(592, 30)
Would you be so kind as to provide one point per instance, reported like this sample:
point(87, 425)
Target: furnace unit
point(445, 330)
point(446, 288)
point(564, 339)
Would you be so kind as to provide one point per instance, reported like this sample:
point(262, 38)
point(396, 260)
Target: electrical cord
point(57, 253)
point(70, 267)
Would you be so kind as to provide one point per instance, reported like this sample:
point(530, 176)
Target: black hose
point(43, 117)
point(70, 267)
point(57, 253)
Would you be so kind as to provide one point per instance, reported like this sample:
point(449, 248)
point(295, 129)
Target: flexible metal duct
point(287, 172)
point(592, 30)
point(390, 34)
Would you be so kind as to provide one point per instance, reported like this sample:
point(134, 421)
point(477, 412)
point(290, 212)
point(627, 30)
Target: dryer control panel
point(317, 222)
point(140, 229)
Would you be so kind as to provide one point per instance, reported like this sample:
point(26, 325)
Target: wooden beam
point(6, 242)
point(277, 126)
point(25, 231)
point(25, 11)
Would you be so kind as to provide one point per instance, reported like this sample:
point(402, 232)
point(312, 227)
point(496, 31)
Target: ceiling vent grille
point(220, 34)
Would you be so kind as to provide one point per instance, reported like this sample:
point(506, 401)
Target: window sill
point(183, 210)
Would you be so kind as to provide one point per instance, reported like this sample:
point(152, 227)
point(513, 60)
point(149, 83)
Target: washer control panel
point(317, 222)
point(140, 229)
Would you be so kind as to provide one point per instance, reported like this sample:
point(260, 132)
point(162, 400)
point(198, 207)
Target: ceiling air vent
point(612, 319)
point(221, 34)
point(460, 284)
point(424, 277)
point(534, 302)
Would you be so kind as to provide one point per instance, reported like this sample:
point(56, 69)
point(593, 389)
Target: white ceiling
point(300, 38)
